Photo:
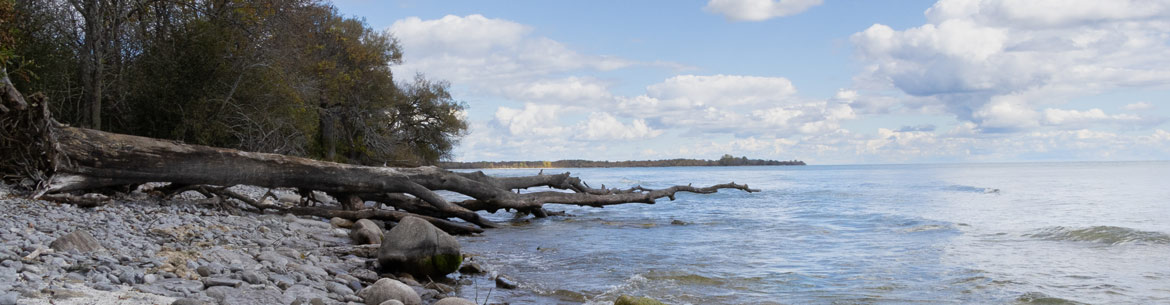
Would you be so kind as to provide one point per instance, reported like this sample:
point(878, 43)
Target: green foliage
point(284, 76)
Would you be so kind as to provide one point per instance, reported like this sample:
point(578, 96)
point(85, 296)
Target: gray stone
point(440, 287)
point(305, 292)
point(338, 288)
point(9, 298)
point(30, 268)
point(79, 240)
point(253, 277)
point(189, 301)
point(150, 278)
point(505, 282)
point(282, 281)
point(339, 222)
point(209, 282)
point(470, 268)
point(247, 295)
point(203, 271)
point(59, 262)
point(317, 301)
point(391, 302)
point(310, 270)
point(388, 289)
point(103, 286)
point(418, 247)
point(366, 232)
point(455, 301)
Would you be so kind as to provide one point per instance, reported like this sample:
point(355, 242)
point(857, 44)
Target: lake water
point(1040, 233)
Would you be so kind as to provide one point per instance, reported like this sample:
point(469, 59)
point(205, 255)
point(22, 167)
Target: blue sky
point(828, 82)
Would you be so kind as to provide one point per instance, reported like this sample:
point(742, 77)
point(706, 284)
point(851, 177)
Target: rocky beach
point(139, 249)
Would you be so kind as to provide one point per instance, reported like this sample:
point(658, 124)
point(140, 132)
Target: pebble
point(179, 250)
point(340, 289)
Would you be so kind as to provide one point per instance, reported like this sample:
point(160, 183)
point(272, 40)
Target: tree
point(285, 76)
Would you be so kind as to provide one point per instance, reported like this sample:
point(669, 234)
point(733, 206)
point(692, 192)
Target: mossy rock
point(417, 247)
point(629, 300)
point(440, 264)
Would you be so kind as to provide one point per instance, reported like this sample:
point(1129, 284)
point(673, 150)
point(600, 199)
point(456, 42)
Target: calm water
point(1044, 233)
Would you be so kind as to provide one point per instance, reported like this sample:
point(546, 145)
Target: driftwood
point(68, 160)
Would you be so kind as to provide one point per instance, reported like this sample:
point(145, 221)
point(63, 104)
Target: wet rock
point(339, 222)
point(629, 300)
point(79, 240)
point(678, 222)
point(388, 289)
point(505, 282)
point(440, 287)
point(471, 268)
point(416, 246)
point(454, 301)
point(366, 232)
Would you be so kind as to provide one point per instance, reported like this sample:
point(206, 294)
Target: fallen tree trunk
point(65, 159)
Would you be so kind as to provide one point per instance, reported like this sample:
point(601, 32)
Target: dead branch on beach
point(68, 161)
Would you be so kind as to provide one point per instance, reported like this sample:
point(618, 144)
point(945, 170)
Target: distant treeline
point(726, 160)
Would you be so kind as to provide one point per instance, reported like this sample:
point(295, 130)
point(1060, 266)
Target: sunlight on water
point(1052, 233)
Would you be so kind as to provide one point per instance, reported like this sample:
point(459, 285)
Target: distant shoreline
point(726, 160)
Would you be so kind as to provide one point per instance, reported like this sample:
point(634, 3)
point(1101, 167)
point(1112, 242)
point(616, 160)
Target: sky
point(823, 81)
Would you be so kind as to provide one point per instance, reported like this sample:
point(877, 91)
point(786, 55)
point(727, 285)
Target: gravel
point(158, 251)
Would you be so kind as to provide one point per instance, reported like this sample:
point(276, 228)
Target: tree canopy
point(280, 76)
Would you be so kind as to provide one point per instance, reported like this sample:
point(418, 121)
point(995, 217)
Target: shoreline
point(158, 251)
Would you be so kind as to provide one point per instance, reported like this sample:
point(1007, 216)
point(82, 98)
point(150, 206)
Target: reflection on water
point(1053, 233)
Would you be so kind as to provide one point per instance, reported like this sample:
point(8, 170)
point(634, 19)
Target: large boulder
point(366, 232)
point(79, 240)
point(387, 289)
point(417, 247)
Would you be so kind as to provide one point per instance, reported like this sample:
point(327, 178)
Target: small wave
point(1102, 234)
point(972, 189)
point(684, 278)
point(928, 227)
point(1040, 298)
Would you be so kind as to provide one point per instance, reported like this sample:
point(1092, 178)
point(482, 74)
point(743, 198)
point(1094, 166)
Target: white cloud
point(571, 90)
point(603, 126)
point(533, 120)
point(758, 10)
point(736, 104)
point(1139, 106)
point(997, 63)
point(1082, 118)
point(723, 90)
point(476, 50)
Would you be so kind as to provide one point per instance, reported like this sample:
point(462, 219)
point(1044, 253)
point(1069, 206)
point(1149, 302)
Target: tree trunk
point(77, 159)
